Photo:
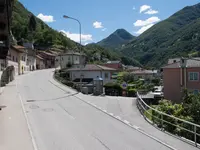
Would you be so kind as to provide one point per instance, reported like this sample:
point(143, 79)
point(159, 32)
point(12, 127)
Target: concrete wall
point(15, 64)
point(91, 74)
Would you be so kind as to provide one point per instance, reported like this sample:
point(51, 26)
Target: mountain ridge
point(172, 37)
point(117, 39)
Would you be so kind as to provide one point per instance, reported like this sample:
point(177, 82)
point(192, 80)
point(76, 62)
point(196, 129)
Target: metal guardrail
point(162, 120)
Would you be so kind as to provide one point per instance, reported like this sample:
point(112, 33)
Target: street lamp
point(67, 17)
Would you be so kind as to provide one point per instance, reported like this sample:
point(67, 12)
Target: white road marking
point(127, 122)
point(111, 114)
point(27, 121)
point(136, 127)
point(118, 117)
point(104, 110)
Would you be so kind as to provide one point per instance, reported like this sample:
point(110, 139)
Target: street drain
point(33, 107)
point(48, 109)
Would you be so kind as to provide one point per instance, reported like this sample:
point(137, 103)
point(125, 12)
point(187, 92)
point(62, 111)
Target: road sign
point(124, 85)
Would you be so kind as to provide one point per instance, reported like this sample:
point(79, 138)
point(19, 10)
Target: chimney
point(183, 62)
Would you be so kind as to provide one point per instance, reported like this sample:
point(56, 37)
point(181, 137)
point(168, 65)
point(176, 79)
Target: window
point(22, 58)
point(69, 58)
point(16, 59)
point(195, 92)
point(106, 75)
point(13, 58)
point(193, 76)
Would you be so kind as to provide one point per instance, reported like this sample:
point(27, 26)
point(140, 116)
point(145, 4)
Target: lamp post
point(67, 17)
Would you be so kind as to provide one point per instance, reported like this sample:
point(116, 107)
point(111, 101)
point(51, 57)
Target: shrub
point(132, 92)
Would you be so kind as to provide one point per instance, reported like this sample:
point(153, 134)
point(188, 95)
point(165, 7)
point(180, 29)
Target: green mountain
point(116, 40)
point(28, 28)
point(179, 35)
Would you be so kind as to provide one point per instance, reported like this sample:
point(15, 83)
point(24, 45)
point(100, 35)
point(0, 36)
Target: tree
point(32, 23)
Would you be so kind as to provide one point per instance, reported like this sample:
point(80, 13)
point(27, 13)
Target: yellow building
point(18, 58)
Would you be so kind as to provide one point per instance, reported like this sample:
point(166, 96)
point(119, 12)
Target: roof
point(19, 48)
point(39, 57)
point(190, 62)
point(113, 62)
point(93, 67)
point(72, 53)
point(47, 53)
point(133, 68)
point(144, 72)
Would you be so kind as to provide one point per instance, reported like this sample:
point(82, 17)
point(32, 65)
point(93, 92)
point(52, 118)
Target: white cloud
point(151, 12)
point(97, 25)
point(76, 37)
point(144, 8)
point(45, 18)
point(144, 28)
point(134, 8)
point(104, 29)
point(151, 20)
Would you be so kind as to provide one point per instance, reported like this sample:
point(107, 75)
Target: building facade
point(114, 64)
point(40, 63)
point(92, 72)
point(69, 59)
point(181, 75)
point(49, 58)
point(145, 74)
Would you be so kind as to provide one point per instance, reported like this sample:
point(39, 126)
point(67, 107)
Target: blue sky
point(101, 18)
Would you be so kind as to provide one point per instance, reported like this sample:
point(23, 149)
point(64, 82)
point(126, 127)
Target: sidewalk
point(14, 134)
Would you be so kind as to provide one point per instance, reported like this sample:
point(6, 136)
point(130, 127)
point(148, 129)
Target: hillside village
point(118, 74)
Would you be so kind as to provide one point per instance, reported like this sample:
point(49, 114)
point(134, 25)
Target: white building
point(31, 61)
point(17, 57)
point(69, 59)
point(91, 72)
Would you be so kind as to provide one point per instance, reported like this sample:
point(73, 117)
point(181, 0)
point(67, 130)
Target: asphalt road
point(59, 120)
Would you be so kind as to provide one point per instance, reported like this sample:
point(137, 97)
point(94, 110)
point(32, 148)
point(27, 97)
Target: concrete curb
point(1, 90)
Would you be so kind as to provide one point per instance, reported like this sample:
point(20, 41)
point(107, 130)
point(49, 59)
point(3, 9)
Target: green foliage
point(32, 23)
point(174, 37)
point(113, 85)
point(128, 77)
point(29, 28)
point(132, 92)
point(189, 110)
point(156, 81)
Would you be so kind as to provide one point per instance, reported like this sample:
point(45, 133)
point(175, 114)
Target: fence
point(179, 127)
